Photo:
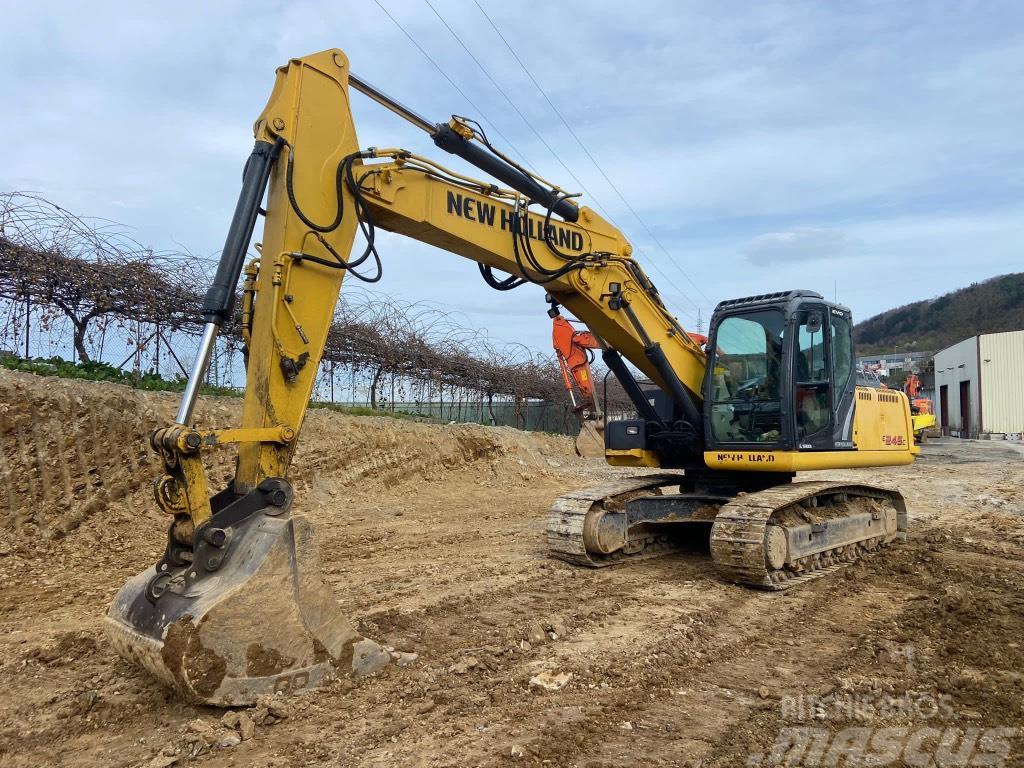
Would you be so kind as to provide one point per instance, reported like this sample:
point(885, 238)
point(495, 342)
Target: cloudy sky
point(871, 149)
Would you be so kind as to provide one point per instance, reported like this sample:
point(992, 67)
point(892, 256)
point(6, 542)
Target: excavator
point(922, 412)
point(574, 352)
point(237, 607)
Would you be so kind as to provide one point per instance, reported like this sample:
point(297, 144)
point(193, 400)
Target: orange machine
point(572, 348)
point(922, 411)
point(912, 388)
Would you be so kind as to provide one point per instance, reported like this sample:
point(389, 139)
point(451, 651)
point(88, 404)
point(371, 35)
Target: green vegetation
point(991, 306)
point(96, 371)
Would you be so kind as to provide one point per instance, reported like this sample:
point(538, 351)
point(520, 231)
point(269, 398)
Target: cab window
point(813, 376)
point(842, 352)
point(747, 378)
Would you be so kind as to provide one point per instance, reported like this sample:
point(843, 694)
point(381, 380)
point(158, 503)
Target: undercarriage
point(762, 530)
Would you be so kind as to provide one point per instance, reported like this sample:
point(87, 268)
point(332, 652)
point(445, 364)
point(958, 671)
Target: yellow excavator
point(237, 607)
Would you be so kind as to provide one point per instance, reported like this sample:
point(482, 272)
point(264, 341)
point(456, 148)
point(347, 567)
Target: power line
point(497, 131)
point(511, 103)
point(588, 153)
point(452, 83)
point(592, 197)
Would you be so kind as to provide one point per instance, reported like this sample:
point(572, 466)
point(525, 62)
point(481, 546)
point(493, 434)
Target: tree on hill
point(990, 306)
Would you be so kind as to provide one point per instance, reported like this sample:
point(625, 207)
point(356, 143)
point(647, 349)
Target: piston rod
point(451, 141)
point(395, 106)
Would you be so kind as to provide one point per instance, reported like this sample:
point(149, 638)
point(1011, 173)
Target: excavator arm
point(572, 350)
point(322, 188)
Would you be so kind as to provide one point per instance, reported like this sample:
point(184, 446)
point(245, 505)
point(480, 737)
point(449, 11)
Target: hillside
point(991, 306)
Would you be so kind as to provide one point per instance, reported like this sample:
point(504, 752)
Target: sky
point(872, 151)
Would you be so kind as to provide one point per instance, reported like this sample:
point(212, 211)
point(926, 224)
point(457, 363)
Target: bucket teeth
point(262, 621)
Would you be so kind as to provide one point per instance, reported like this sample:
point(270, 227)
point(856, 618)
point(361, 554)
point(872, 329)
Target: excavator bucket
point(590, 441)
point(250, 615)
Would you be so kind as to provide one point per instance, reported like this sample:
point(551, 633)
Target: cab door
point(812, 415)
point(844, 377)
point(823, 380)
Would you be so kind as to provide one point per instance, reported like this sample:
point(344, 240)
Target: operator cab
point(780, 374)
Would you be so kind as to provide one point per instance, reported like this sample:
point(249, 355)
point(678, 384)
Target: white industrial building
point(897, 361)
point(979, 386)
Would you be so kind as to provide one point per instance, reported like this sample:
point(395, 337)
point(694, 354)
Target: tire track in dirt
point(567, 728)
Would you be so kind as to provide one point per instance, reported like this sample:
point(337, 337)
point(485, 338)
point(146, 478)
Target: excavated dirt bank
point(74, 449)
point(432, 537)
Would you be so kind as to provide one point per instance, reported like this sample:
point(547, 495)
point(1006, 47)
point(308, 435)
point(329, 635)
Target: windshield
point(747, 376)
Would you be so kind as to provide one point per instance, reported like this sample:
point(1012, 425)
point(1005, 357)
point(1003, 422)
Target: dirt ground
point(432, 537)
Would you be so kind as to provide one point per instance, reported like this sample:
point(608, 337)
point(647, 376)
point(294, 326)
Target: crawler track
point(744, 528)
point(567, 519)
point(739, 537)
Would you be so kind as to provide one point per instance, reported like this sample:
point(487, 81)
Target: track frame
point(765, 530)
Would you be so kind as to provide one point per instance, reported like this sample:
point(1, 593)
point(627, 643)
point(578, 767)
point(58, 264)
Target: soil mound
point(69, 450)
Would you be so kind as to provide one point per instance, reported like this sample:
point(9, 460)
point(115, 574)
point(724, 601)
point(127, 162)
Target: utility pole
point(28, 321)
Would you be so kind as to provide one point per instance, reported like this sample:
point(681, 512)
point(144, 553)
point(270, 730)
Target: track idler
point(243, 612)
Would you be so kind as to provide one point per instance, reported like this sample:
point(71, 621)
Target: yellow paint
point(278, 434)
point(194, 488)
point(802, 461)
point(922, 422)
point(403, 198)
point(882, 436)
point(309, 108)
point(633, 457)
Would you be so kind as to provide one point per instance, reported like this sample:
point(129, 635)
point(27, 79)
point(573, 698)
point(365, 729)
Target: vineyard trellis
point(96, 291)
